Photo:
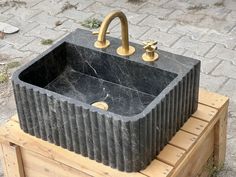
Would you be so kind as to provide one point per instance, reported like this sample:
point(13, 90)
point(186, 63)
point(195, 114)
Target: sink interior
point(90, 76)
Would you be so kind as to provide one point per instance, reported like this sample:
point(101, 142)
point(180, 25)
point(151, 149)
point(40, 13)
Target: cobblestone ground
point(202, 29)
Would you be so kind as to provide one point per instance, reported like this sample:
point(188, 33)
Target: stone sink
point(146, 103)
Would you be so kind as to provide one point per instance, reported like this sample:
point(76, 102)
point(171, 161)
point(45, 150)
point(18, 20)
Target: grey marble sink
point(147, 102)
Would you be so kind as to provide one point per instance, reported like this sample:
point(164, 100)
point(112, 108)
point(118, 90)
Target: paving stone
point(24, 26)
point(183, 17)
point(220, 51)
point(211, 83)
point(217, 24)
point(23, 13)
point(199, 48)
point(230, 4)
point(152, 21)
point(151, 8)
point(32, 3)
point(231, 16)
point(225, 68)
point(35, 46)
point(127, 5)
point(207, 64)
point(45, 19)
point(214, 12)
point(163, 38)
point(5, 17)
point(99, 7)
point(76, 15)
point(177, 4)
point(177, 51)
point(13, 53)
point(17, 40)
point(159, 2)
point(55, 7)
point(134, 18)
point(106, 2)
point(229, 89)
point(193, 32)
point(228, 40)
point(84, 4)
point(45, 33)
point(68, 25)
point(134, 31)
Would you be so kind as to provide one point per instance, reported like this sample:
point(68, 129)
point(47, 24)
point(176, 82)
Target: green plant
point(91, 23)
point(13, 64)
point(46, 41)
point(4, 77)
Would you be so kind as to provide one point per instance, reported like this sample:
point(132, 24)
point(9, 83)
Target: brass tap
point(125, 49)
point(150, 54)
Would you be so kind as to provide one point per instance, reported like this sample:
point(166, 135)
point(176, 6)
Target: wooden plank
point(3, 161)
point(12, 132)
point(205, 113)
point(198, 154)
point(220, 138)
point(37, 165)
point(183, 140)
point(196, 158)
point(194, 126)
point(13, 160)
point(171, 155)
point(212, 99)
point(158, 169)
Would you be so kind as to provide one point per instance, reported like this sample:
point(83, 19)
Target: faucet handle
point(97, 32)
point(150, 54)
point(150, 45)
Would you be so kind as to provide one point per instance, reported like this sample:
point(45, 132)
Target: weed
point(46, 41)
point(13, 64)
point(197, 7)
point(67, 6)
point(4, 77)
point(92, 23)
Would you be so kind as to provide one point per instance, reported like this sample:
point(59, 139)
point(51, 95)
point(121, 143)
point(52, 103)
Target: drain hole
point(101, 105)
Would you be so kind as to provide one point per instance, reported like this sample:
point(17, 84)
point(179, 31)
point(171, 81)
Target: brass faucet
point(125, 49)
point(150, 54)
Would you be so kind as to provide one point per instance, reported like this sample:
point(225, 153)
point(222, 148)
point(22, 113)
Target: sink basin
point(146, 103)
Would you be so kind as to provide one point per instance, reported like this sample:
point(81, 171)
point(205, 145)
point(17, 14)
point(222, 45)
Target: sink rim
point(146, 110)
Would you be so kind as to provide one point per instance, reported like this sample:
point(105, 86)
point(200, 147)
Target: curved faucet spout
point(101, 42)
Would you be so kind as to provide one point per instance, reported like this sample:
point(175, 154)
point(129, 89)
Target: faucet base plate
point(120, 50)
point(148, 58)
point(100, 45)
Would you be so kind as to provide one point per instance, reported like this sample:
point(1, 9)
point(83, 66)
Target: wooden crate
point(200, 141)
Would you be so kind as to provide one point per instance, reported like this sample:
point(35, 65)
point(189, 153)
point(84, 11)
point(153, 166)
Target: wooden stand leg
point(12, 160)
point(220, 138)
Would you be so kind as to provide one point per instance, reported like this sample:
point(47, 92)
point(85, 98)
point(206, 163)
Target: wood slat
point(194, 126)
point(11, 132)
point(183, 140)
point(212, 99)
point(205, 113)
point(171, 155)
point(158, 169)
point(37, 165)
point(13, 160)
point(196, 158)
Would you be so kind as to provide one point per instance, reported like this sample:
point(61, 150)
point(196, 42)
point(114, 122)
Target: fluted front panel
point(125, 145)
